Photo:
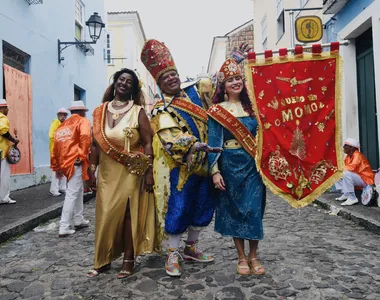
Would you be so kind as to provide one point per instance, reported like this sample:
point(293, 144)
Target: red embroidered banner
point(297, 101)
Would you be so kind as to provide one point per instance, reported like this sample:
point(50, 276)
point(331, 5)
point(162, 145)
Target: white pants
point(73, 204)
point(57, 184)
point(5, 177)
point(348, 183)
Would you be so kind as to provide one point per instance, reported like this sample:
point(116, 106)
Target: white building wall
point(218, 55)
point(128, 38)
point(35, 29)
point(270, 9)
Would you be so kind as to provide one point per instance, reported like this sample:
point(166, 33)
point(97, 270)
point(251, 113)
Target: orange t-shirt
point(358, 164)
point(72, 140)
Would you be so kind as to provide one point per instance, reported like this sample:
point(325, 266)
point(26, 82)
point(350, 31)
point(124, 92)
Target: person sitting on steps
point(357, 172)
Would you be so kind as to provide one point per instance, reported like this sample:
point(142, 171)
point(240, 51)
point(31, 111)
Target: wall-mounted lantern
point(95, 26)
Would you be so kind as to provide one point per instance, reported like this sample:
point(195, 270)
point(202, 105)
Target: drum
point(369, 195)
point(13, 155)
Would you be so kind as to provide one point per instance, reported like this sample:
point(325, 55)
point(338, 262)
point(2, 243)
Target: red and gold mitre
point(229, 69)
point(157, 58)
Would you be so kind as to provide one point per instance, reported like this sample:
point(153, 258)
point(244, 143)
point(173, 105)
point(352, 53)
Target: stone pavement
point(307, 253)
point(34, 206)
point(368, 217)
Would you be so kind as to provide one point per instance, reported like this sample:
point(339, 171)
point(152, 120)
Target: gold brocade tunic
point(116, 187)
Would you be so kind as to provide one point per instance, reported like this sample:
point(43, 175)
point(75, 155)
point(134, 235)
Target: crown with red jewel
point(157, 58)
point(229, 69)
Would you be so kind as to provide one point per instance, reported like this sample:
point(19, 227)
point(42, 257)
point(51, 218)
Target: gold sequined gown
point(116, 187)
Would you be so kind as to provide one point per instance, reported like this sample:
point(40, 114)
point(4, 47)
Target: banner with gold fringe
point(297, 101)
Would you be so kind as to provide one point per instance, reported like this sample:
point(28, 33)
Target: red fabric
point(334, 47)
point(229, 69)
point(252, 56)
point(316, 49)
point(298, 50)
point(296, 109)
point(157, 58)
point(18, 87)
point(283, 52)
point(359, 164)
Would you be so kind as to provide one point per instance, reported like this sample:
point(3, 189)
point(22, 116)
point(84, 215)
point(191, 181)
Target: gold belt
point(231, 144)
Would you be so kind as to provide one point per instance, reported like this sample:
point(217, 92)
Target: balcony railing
point(34, 2)
point(85, 49)
point(333, 6)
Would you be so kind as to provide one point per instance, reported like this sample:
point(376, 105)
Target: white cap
point(77, 105)
point(62, 111)
point(3, 103)
point(352, 142)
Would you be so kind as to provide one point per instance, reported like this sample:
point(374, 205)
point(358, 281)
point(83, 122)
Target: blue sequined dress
point(240, 209)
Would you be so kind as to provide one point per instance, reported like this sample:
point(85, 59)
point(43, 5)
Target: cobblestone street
point(307, 254)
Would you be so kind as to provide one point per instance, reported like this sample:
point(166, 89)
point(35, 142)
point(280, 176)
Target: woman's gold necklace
point(117, 112)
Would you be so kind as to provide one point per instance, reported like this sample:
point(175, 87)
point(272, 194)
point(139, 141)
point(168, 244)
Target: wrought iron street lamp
point(95, 26)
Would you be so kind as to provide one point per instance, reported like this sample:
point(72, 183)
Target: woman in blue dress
point(241, 193)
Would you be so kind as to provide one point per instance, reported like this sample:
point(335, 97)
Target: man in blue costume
point(179, 123)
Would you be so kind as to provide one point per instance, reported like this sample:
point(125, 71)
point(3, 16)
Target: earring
point(131, 97)
point(225, 96)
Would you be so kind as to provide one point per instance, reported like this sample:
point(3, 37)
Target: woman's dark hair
point(244, 97)
point(137, 94)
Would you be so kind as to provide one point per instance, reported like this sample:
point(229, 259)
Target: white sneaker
point(342, 198)
point(82, 224)
point(8, 201)
point(350, 202)
point(55, 194)
point(67, 232)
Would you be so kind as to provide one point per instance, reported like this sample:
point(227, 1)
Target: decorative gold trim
point(338, 132)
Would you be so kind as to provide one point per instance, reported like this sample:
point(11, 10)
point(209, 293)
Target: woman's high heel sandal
point(95, 272)
point(124, 273)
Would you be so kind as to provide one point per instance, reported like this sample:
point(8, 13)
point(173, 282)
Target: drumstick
point(15, 132)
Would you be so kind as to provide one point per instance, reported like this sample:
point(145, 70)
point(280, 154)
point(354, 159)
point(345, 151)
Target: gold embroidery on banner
point(261, 95)
point(267, 125)
point(302, 184)
point(278, 165)
point(273, 104)
point(312, 97)
point(318, 171)
point(298, 147)
point(320, 126)
point(293, 81)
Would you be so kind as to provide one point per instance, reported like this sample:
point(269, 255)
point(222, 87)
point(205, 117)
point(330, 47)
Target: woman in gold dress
point(125, 213)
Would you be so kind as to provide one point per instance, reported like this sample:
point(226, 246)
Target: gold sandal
point(95, 272)
point(124, 273)
point(243, 270)
point(259, 266)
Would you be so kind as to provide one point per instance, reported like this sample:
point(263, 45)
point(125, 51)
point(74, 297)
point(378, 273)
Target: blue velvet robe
point(239, 210)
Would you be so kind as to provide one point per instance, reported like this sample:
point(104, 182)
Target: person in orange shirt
point(357, 173)
point(72, 143)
